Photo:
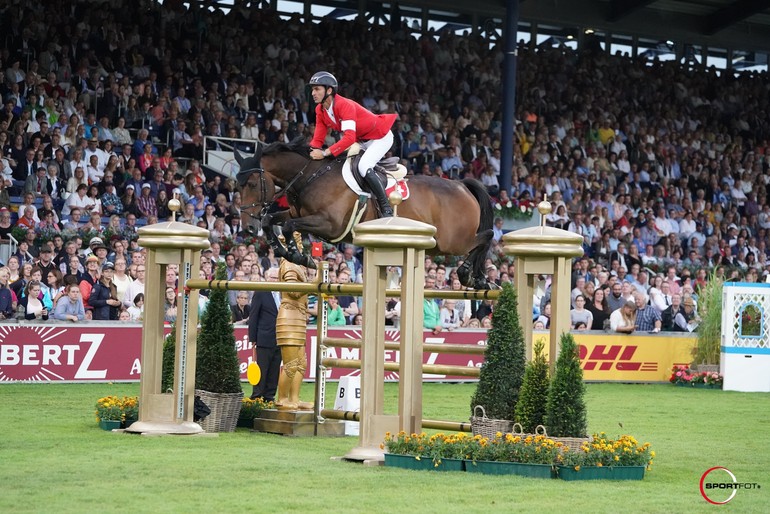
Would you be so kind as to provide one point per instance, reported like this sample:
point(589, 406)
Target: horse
point(321, 204)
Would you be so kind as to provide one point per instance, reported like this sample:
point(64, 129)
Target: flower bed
point(123, 411)
point(684, 376)
point(533, 456)
point(250, 410)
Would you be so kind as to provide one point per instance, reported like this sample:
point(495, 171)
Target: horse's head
point(257, 188)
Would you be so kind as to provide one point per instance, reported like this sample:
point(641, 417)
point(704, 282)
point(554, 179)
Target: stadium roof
point(724, 24)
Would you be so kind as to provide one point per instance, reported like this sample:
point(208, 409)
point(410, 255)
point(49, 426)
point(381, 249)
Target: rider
point(356, 123)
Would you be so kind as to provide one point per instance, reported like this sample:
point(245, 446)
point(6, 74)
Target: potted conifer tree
point(530, 411)
point(217, 374)
point(494, 402)
point(566, 408)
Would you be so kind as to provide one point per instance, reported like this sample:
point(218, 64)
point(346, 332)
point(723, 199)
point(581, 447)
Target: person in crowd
point(262, 318)
point(241, 309)
point(623, 320)
point(136, 310)
point(88, 279)
point(170, 305)
point(70, 306)
point(104, 296)
point(7, 307)
point(647, 317)
point(599, 309)
point(449, 317)
point(687, 320)
point(31, 306)
point(580, 313)
point(670, 314)
point(335, 316)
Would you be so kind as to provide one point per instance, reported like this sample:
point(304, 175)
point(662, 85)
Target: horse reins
point(263, 188)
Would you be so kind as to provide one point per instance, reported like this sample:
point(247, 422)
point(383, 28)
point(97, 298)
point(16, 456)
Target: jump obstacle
point(325, 289)
point(386, 242)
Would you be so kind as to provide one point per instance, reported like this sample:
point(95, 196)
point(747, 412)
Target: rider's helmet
point(323, 78)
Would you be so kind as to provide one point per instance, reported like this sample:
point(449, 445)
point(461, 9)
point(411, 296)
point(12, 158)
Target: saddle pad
point(401, 185)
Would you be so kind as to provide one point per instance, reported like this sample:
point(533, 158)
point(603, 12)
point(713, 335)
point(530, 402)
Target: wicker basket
point(573, 443)
point(486, 427)
point(225, 408)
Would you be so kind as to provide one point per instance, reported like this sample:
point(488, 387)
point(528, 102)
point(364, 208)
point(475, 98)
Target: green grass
point(53, 457)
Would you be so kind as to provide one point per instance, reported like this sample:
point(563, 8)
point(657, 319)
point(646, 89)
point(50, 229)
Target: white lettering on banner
point(83, 372)
point(136, 368)
point(9, 354)
point(51, 355)
point(244, 344)
point(243, 366)
point(433, 357)
point(30, 354)
point(350, 353)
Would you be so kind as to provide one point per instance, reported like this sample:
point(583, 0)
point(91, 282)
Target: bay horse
point(321, 203)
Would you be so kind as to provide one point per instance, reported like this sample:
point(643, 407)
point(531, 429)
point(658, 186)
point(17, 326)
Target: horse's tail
point(479, 192)
point(477, 256)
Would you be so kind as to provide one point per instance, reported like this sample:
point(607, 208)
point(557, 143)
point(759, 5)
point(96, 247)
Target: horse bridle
point(263, 189)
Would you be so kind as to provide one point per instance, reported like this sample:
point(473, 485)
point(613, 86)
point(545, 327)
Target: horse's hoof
point(481, 283)
point(310, 263)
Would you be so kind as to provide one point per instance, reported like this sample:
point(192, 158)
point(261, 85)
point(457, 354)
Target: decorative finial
point(544, 208)
point(395, 200)
point(174, 205)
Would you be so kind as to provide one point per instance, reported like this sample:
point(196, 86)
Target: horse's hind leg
point(471, 273)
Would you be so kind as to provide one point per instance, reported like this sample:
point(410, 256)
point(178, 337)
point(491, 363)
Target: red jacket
point(354, 121)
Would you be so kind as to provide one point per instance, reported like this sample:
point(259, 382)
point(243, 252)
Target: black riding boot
point(379, 192)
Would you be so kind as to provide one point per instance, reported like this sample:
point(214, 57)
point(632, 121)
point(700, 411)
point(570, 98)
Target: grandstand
point(643, 143)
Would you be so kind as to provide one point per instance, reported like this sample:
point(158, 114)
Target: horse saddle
point(390, 173)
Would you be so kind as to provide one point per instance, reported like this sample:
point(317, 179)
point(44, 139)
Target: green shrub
point(530, 411)
point(566, 408)
point(217, 368)
point(503, 370)
point(708, 350)
point(169, 354)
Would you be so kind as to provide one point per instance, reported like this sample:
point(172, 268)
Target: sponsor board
point(111, 353)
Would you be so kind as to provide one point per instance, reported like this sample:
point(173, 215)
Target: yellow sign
point(630, 358)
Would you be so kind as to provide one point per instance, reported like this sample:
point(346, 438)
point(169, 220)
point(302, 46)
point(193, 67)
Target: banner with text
point(111, 353)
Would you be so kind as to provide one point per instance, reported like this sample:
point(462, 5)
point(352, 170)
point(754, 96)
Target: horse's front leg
point(294, 254)
point(272, 220)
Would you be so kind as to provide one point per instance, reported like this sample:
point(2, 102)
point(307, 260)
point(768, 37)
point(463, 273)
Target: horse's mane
point(297, 145)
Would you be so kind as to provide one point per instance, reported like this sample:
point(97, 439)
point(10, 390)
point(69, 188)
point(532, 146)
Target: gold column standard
point(544, 251)
point(391, 242)
point(159, 412)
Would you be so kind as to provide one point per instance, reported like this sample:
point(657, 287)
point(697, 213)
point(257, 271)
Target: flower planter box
point(127, 423)
point(424, 463)
point(601, 473)
point(698, 385)
point(109, 424)
point(245, 423)
point(510, 468)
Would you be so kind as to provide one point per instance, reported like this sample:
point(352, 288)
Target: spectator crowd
point(660, 166)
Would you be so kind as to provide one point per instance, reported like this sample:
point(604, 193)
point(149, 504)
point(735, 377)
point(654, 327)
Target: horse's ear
point(258, 152)
point(238, 156)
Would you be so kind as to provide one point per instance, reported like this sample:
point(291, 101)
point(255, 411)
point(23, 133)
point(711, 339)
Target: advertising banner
point(111, 353)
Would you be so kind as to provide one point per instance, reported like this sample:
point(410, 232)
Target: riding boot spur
point(379, 192)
